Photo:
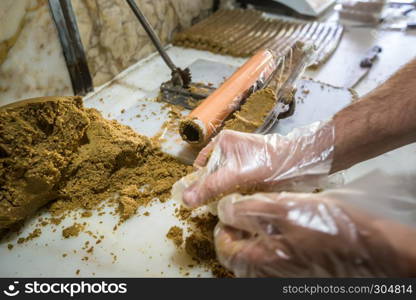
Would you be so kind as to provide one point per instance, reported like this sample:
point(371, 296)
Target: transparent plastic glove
point(236, 161)
point(318, 235)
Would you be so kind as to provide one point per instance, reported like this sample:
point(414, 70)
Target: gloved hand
point(236, 161)
point(309, 235)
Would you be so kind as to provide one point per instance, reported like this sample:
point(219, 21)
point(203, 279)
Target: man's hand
point(248, 162)
point(381, 121)
point(309, 235)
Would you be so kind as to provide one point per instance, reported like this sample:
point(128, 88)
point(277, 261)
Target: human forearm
point(381, 121)
point(276, 234)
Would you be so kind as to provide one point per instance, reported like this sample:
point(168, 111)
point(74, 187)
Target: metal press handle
point(146, 25)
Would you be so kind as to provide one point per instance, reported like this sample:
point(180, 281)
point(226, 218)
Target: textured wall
point(31, 60)
point(34, 64)
point(114, 39)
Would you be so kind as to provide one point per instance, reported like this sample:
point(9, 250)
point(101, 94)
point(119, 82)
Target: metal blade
point(186, 77)
point(185, 97)
point(208, 76)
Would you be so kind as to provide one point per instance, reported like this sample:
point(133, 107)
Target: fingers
point(225, 139)
point(249, 239)
point(202, 158)
point(292, 234)
point(238, 255)
point(235, 163)
point(248, 257)
point(218, 183)
point(258, 213)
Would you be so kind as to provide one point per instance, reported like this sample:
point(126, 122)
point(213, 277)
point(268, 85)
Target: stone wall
point(31, 59)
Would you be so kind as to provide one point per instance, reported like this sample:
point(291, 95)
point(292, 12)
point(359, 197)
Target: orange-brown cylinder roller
point(204, 120)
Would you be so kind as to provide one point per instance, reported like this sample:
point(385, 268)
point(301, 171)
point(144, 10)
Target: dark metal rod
point(75, 58)
point(146, 25)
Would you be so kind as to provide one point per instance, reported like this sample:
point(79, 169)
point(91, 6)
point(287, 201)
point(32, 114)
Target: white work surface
point(140, 244)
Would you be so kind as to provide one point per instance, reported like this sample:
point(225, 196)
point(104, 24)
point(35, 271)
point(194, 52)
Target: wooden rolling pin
point(204, 120)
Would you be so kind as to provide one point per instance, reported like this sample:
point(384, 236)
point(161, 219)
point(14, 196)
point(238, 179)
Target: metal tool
point(365, 66)
point(76, 60)
point(179, 90)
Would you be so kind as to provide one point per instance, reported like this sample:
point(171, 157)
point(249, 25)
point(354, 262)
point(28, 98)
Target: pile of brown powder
point(38, 139)
point(117, 160)
point(54, 149)
point(34, 234)
point(72, 231)
point(175, 234)
point(253, 112)
point(199, 244)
